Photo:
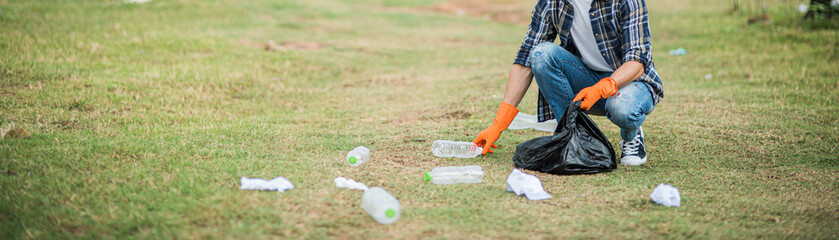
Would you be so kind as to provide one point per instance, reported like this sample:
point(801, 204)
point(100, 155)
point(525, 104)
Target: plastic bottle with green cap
point(454, 175)
point(382, 206)
point(358, 156)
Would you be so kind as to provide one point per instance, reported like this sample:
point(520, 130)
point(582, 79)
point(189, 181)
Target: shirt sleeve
point(635, 32)
point(541, 30)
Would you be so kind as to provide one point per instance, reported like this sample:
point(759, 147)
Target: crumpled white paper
point(802, 8)
point(347, 183)
point(529, 185)
point(279, 184)
point(666, 195)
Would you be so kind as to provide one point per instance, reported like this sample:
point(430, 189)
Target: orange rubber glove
point(486, 139)
point(603, 89)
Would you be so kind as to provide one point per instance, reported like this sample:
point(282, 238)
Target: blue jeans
point(561, 75)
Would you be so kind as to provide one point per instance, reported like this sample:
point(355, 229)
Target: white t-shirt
point(584, 37)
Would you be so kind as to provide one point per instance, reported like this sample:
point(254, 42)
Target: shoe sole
point(643, 160)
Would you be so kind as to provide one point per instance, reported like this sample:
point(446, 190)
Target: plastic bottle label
point(390, 213)
point(352, 160)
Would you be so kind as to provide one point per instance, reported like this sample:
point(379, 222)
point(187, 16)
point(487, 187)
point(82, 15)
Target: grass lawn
point(143, 117)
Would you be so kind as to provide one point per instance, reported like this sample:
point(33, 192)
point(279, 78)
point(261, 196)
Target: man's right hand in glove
point(486, 139)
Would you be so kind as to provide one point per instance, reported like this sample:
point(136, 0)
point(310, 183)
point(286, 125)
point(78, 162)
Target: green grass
point(144, 117)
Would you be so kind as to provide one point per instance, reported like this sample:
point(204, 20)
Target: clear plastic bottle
point(381, 205)
point(453, 175)
point(358, 156)
point(445, 148)
point(679, 51)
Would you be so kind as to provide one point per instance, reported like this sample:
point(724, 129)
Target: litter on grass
point(802, 8)
point(529, 185)
point(347, 183)
point(446, 148)
point(455, 175)
point(381, 205)
point(358, 156)
point(527, 121)
point(679, 51)
point(666, 195)
point(279, 184)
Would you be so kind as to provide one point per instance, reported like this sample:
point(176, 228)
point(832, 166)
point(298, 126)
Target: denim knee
point(621, 116)
point(623, 113)
point(629, 107)
point(544, 56)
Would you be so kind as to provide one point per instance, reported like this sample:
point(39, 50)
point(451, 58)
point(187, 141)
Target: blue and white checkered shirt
point(621, 29)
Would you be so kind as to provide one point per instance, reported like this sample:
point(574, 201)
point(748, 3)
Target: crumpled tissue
point(529, 185)
point(277, 184)
point(666, 195)
point(347, 183)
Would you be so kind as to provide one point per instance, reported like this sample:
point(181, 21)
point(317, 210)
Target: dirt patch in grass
point(452, 115)
point(283, 46)
point(302, 45)
point(459, 114)
point(79, 105)
point(392, 80)
point(67, 124)
point(410, 118)
point(504, 11)
point(17, 132)
point(13, 131)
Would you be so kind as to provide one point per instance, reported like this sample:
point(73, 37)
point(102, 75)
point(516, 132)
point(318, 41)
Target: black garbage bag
point(577, 147)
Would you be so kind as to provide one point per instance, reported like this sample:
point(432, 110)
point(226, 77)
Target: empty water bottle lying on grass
point(381, 205)
point(677, 52)
point(358, 156)
point(454, 175)
point(446, 148)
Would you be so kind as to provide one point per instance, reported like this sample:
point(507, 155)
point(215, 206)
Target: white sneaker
point(633, 152)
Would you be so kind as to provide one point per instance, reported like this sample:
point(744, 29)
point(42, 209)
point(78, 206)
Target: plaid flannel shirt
point(621, 29)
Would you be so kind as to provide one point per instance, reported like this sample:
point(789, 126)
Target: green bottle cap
point(427, 176)
point(352, 160)
point(390, 213)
